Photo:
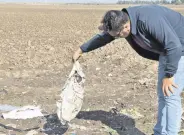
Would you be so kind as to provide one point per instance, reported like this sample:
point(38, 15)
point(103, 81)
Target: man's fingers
point(73, 60)
point(77, 55)
point(167, 91)
point(167, 86)
point(174, 85)
point(171, 89)
point(163, 90)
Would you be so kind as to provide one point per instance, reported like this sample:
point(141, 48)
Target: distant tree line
point(177, 2)
point(150, 2)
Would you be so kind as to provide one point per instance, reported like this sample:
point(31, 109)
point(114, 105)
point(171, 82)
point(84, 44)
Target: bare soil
point(36, 46)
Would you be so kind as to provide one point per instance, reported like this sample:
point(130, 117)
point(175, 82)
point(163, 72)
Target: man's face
point(123, 33)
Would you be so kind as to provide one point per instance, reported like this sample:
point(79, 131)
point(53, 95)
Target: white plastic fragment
point(25, 112)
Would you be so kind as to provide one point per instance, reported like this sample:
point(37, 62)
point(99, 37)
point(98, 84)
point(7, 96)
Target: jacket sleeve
point(142, 52)
point(160, 29)
point(97, 41)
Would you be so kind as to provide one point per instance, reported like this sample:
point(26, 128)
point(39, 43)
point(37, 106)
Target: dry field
point(36, 46)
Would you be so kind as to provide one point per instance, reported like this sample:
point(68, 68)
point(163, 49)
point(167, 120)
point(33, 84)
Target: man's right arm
point(97, 41)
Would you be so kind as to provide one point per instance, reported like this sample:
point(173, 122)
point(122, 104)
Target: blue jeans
point(169, 108)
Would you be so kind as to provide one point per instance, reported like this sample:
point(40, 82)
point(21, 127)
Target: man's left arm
point(161, 30)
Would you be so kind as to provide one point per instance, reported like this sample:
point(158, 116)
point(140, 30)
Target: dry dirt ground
point(36, 45)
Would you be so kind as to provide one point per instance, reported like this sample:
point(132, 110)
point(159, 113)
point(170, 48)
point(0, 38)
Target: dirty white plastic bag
point(72, 95)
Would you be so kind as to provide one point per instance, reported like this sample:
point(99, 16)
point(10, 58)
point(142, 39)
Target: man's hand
point(77, 55)
point(167, 85)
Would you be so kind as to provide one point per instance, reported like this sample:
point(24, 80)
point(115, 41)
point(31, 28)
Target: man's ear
point(101, 27)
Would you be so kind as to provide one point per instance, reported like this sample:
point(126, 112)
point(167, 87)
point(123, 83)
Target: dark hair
point(114, 19)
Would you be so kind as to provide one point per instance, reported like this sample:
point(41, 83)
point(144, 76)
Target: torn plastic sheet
point(5, 108)
point(26, 112)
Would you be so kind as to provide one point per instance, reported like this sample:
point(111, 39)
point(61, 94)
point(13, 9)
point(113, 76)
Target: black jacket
point(160, 27)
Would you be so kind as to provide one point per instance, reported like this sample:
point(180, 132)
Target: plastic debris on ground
point(26, 112)
point(5, 108)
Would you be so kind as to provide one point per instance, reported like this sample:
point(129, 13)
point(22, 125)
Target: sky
point(64, 1)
